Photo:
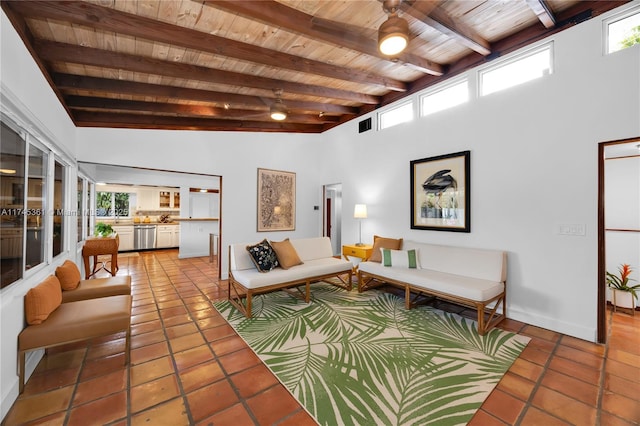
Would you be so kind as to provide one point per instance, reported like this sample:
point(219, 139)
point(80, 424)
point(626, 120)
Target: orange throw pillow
point(286, 254)
point(380, 242)
point(42, 299)
point(69, 275)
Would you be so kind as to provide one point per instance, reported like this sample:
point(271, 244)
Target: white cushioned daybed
point(317, 264)
point(471, 277)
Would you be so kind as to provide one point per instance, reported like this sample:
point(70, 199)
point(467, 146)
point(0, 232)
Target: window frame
point(401, 105)
point(631, 11)
point(441, 88)
point(512, 59)
point(53, 154)
point(113, 207)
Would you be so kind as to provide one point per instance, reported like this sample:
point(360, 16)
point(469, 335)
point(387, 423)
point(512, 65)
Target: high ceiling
point(220, 65)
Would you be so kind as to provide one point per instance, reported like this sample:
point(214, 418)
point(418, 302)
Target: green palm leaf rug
point(362, 359)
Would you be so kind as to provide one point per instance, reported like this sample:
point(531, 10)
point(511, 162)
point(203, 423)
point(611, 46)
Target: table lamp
point(360, 212)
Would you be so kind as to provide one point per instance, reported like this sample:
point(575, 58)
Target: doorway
point(618, 215)
point(332, 215)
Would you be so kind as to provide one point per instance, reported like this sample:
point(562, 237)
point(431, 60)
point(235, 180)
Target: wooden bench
point(52, 323)
point(467, 276)
point(74, 288)
point(318, 264)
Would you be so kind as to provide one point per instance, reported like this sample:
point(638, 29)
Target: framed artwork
point(440, 193)
point(276, 200)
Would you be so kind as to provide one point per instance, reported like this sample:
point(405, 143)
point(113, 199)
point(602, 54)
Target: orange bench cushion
point(42, 300)
point(76, 321)
point(69, 275)
point(99, 287)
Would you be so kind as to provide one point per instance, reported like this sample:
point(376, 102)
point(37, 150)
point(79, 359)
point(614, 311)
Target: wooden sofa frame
point(367, 280)
point(237, 293)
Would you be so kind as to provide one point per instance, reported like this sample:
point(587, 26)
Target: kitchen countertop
point(130, 223)
point(193, 219)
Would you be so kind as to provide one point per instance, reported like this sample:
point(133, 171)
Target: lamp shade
point(360, 211)
point(278, 110)
point(393, 35)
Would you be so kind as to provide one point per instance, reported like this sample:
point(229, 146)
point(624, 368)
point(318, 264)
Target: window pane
point(80, 210)
point(35, 206)
point(121, 204)
point(12, 191)
point(59, 185)
point(88, 209)
point(445, 98)
point(395, 116)
point(624, 33)
point(527, 68)
point(104, 203)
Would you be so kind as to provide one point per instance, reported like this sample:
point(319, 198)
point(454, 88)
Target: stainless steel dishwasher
point(144, 237)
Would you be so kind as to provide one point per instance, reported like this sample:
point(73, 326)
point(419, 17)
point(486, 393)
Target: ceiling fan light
point(278, 110)
point(393, 35)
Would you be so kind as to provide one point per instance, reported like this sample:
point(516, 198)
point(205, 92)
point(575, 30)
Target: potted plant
point(103, 229)
point(624, 295)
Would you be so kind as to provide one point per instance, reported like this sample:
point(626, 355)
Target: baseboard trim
point(31, 362)
point(571, 329)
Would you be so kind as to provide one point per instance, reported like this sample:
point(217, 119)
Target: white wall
point(234, 156)
point(27, 99)
point(533, 166)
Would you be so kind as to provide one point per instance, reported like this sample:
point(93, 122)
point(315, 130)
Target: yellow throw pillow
point(42, 299)
point(381, 242)
point(69, 275)
point(286, 254)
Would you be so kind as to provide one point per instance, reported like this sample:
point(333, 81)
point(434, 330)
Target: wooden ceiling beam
point(138, 121)
point(62, 52)
point(543, 12)
point(110, 104)
point(112, 20)
point(279, 15)
point(105, 85)
point(581, 11)
point(427, 12)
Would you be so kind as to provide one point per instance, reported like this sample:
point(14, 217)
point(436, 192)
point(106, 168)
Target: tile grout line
point(537, 384)
point(171, 352)
point(603, 373)
point(226, 375)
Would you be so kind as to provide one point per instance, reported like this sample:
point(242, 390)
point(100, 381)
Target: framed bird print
point(440, 193)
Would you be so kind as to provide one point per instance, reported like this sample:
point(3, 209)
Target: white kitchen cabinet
point(157, 198)
point(168, 236)
point(175, 241)
point(125, 234)
point(148, 199)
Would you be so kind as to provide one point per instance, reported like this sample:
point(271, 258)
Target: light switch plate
point(573, 229)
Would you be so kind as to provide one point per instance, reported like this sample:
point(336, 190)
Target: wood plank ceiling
point(220, 65)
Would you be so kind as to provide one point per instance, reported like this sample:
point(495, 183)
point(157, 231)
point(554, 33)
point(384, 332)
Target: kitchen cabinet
point(11, 243)
point(168, 236)
point(165, 199)
point(125, 234)
point(175, 241)
point(157, 198)
point(148, 199)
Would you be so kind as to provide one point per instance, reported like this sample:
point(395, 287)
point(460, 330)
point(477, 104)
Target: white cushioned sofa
point(467, 276)
point(318, 264)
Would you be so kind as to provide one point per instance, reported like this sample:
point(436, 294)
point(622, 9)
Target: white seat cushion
point(475, 289)
point(252, 279)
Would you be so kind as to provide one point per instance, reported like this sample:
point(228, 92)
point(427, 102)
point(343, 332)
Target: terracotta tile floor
point(188, 367)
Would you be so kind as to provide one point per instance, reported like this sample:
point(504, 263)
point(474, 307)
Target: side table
point(361, 252)
point(95, 246)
